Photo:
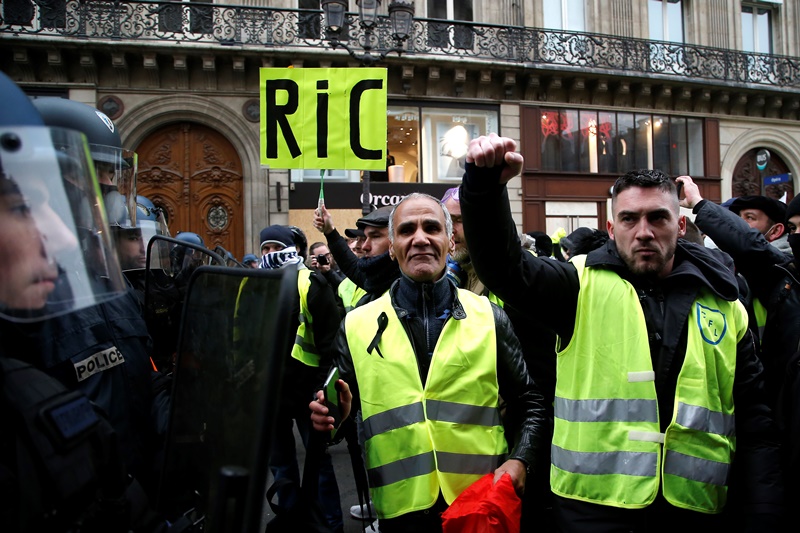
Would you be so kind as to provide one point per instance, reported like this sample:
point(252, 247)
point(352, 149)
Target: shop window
point(423, 145)
point(614, 143)
point(564, 15)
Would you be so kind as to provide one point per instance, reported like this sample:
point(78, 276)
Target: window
point(200, 18)
point(423, 144)
point(756, 29)
point(614, 143)
point(666, 20)
point(52, 14)
point(309, 23)
point(439, 35)
point(564, 15)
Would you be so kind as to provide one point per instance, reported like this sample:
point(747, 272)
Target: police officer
point(103, 348)
point(61, 467)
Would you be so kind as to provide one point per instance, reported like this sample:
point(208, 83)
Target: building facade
point(588, 88)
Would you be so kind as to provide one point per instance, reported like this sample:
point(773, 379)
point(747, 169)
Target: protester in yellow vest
point(658, 385)
point(426, 364)
point(315, 321)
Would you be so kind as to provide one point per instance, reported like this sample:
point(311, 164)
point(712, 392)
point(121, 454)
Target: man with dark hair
point(657, 379)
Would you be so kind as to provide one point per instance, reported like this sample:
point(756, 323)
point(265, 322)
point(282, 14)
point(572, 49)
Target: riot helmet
point(132, 233)
point(186, 259)
point(56, 255)
point(102, 135)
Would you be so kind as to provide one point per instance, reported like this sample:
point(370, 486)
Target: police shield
point(226, 392)
point(170, 264)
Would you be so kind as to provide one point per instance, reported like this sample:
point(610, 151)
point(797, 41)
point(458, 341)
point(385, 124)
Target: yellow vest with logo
point(607, 446)
point(350, 294)
point(443, 436)
point(304, 349)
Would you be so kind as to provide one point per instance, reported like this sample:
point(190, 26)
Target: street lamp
point(401, 16)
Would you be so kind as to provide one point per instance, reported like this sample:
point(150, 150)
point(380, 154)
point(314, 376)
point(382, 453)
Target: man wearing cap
point(774, 280)
point(373, 273)
point(766, 215)
point(304, 370)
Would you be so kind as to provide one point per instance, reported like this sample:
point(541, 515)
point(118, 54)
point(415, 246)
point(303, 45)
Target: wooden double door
point(194, 173)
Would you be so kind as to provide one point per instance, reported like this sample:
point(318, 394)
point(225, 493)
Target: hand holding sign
point(323, 220)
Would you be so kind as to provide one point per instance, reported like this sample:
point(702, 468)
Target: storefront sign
point(348, 195)
point(323, 118)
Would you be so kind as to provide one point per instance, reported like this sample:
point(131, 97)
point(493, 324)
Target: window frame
point(664, 20)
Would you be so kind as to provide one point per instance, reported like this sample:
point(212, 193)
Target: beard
point(460, 254)
point(654, 266)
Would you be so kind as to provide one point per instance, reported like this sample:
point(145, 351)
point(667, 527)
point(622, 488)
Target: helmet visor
point(56, 255)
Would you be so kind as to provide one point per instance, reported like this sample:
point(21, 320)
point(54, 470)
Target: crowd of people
point(617, 379)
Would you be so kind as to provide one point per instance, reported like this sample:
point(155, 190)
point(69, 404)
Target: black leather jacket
point(525, 404)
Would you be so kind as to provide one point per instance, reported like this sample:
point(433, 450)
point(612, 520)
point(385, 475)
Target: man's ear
point(775, 232)
point(610, 228)
point(681, 226)
point(452, 245)
point(391, 252)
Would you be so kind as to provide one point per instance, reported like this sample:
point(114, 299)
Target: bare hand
point(691, 192)
point(319, 412)
point(323, 220)
point(516, 469)
point(495, 151)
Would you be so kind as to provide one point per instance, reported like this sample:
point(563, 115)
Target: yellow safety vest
point(350, 294)
point(761, 317)
point(440, 437)
point(607, 446)
point(304, 349)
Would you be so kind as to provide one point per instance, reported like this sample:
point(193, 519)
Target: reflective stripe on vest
point(304, 349)
point(440, 437)
point(607, 441)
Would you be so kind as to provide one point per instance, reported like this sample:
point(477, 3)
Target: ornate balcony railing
point(288, 29)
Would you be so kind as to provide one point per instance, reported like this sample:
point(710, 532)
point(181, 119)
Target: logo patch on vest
point(98, 362)
point(712, 324)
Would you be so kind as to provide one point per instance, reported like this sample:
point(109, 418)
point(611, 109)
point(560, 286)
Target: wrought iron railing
point(273, 28)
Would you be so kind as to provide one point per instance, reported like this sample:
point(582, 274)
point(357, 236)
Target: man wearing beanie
point(307, 364)
point(774, 280)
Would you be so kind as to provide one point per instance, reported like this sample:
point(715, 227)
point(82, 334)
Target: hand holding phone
point(332, 398)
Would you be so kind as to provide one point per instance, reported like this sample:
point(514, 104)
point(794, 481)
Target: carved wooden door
point(194, 173)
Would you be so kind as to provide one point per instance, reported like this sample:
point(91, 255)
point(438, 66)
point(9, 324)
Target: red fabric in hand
point(485, 508)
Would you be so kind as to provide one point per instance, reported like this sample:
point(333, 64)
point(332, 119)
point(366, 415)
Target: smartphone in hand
point(332, 398)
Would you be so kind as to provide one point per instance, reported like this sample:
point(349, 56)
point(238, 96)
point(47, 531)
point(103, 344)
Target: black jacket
point(524, 401)
point(775, 281)
point(548, 291)
point(375, 275)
